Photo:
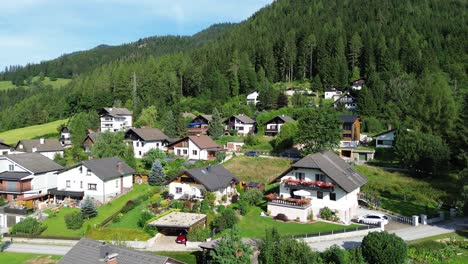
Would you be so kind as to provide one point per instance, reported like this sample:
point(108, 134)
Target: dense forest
point(413, 55)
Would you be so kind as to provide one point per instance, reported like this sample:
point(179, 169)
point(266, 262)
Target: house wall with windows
point(386, 140)
point(188, 149)
point(140, 148)
point(119, 123)
point(241, 128)
point(185, 185)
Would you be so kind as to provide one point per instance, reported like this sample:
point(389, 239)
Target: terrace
point(309, 185)
point(290, 202)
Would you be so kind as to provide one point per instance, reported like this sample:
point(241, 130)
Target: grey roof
point(92, 135)
point(34, 162)
point(107, 168)
point(334, 167)
point(208, 118)
point(115, 111)
point(147, 134)
point(4, 146)
point(88, 251)
point(213, 177)
point(388, 131)
point(243, 118)
point(283, 118)
point(13, 175)
point(348, 118)
point(50, 144)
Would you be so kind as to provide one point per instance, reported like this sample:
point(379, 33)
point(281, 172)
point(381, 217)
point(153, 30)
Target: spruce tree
point(156, 176)
point(231, 249)
point(216, 125)
point(88, 209)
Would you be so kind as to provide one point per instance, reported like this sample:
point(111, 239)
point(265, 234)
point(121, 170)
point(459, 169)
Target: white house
point(115, 119)
point(386, 139)
point(199, 147)
point(26, 175)
point(48, 147)
point(358, 84)
point(5, 149)
point(347, 101)
point(314, 182)
point(332, 93)
point(145, 139)
point(65, 137)
point(273, 127)
point(194, 183)
point(100, 179)
point(241, 123)
point(252, 98)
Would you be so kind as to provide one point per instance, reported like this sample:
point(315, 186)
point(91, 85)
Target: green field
point(257, 169)
point(20, 258)
point(13, 136)
point(187, 256)
point(430, 245)
point(5, 85)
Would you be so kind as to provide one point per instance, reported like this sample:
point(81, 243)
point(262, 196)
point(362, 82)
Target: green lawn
point(262, 145)
point(5, 85)
point(13, 136)
point(187, 257)
point(120, 234)
point(20, 258)
point(56, 224)
point(257, 169)
point(254, 225)
point(130, 219)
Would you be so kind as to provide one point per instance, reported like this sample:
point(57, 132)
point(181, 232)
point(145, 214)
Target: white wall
point(331, 94)
point(51, 154)
point(387, 136)
point(3, 219)
point(201, 154)
point(187, 188)
point(140, 148)
point(4, 165)
point(41, 183)
point(117, 123)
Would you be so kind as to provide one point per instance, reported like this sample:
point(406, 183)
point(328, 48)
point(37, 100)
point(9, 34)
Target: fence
point(401, 219)
point(335, 232)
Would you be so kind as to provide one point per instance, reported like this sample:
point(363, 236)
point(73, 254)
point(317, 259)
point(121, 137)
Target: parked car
point(181, 239)
point(252, 153)
point(373, 219)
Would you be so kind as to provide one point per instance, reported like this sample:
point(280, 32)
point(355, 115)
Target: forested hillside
point(412, 53)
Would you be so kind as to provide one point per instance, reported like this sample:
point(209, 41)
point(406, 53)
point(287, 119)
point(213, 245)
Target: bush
point(164, 203)
point(281, 217)
point(252, 196)
point(176, 204)
point(117, 218)
point(251, 140)
point(243, 207)
point(221, 208)
point(211, 197)
point(326, 213)
point(205, 207)
point(150, 230)
point(383, 247)
point(224, 198)
point(74, 220)
point(2, 201)
point(156, 199)
point(129, 205)
point(88, 209)
point(227, 219)
point(336, 255)
point(198, 233)
point(355, 256)
point(29, 226)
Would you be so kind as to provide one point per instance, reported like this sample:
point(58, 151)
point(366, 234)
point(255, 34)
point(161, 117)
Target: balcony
point(15, 189)
point(309, 185)
point(348, 144)
point(289, 202)
point(16, 210)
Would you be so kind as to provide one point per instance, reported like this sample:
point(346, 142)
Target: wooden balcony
point(307, 185)
point(289, 202)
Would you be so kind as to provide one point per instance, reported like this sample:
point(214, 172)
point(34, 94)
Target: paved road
point(38, 249)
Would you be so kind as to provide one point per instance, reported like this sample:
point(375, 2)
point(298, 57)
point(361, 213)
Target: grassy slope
point(187, 257)
point(5, 85)
point(257, 169)
point(428, 242)
point(19, 258)
point(12, 136)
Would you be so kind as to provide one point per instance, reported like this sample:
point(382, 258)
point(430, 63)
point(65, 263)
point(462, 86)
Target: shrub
point(211, 197)
point(198, 233)
point(74, 220)
point(281, 217)
point(251, 140)
point(2, 201)
point(243, 207)
point(88, 209)
point(252, 196)
point(156, 199)
point(239, 189)
point(355, 256)
point(164, 203)
point(326, 213)
point(150, 230)
point(383, 247)
point(224, 198)
point(310, 216)
point(129, 205)
point(205, 207)
point(29, 226)
point(117, 218)
point(176, 204)
point(221, 208)
point(227, 219)
point(335, 254)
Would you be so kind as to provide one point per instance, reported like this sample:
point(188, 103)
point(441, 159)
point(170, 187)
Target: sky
point(35, 30)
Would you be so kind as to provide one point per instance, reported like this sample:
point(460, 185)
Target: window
point(240, 128)
point(11, 167)
point(116, 183)
point(347, 127)
point(139, 153)
point(92, 186)
point(81, 184)
point(68, 184)
point(157, 145)
point(194, 152)
point(300, 176)
point(185, 152)
point(346, 135)
point(319, 177)
point(4, 152)
point(138, 144)
point(319, 195)
point(178, 190)
point(142, 144)
point(88, 172)
point(333, 196)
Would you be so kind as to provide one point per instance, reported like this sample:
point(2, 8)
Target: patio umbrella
point(302, 193)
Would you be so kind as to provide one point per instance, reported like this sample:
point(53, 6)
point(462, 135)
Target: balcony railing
point(303, 184)
point(15, 189)
point(348, 144)
point(301, 203)
point(18, 211)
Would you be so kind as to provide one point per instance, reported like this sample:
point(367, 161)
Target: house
point(5, 149)
point(358, 84)
point(178, 222)
point(88, 251)
point(26, 175)
point(350, 135)
point(241, 123)
point(115, 119)
point(100, 179)
point(253, 185)
point(386, 139)
point(65, 138)
point(200, 147)
point(234, 145)
point(273, 127)
point(252, 98)
point(200, 124)
point(89, 140)
point(194, 183)
point(347, 101)
point(48, 147)
point(145, 139)
point(332, 93)
point(318, 180)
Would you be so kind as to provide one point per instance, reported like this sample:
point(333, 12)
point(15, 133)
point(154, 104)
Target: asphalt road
point(37, 249)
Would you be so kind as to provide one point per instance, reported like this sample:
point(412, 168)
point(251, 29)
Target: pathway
point(37, 249)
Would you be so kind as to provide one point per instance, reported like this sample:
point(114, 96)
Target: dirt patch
point(41, 260)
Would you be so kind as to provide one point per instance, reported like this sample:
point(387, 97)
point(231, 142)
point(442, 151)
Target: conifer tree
point(231, 249)
point(157, 176)
point(216, 125)
point(88, 209)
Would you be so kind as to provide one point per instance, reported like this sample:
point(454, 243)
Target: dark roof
point(348, 118)
point(334, 167)
point(4, 146)
point(213, 177)
point(88, 251)
point(344, 95)
point(55, 191)
point(388, 131)
point(13, 175)
point(254, 184)
point(50, 144)
point(147, 134)
point(34, 162)
point(202, 142)
point(115, 111)
point(243, 118)
point(92, 135)
point(64, 130)
point(208, 118)
point(283, 118)
point(106, 168)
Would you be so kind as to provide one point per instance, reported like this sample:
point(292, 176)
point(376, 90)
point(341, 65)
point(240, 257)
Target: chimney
point(104, 251)
point(208, 168)
point(120, 167)
point(41, 141)
point(112, 258)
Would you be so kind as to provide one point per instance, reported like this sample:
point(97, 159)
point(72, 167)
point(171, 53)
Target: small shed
point(140, 178)
point(177, 222)
point(254, 185)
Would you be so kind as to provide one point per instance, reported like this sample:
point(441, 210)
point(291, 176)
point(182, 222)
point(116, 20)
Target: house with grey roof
point(49, 147)
point(199, 147)
point(5, 149)
point(89, 140)
point(115, 119)
point(318, 180)
point(273, 126)
point(144, 139)
point(241, 123)
point(194, 183)
point(88, 251)
point(100, 179)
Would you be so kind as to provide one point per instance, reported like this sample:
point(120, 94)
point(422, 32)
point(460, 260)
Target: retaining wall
point(340, 235)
